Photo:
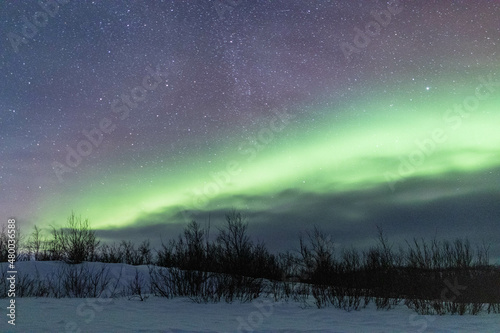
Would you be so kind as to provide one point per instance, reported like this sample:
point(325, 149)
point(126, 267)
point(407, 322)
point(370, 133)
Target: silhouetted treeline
point(435, 277)
point(232, 252)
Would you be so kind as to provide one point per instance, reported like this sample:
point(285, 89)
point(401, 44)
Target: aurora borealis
point(173, 110)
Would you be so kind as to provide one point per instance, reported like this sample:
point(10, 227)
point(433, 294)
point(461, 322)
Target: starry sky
point(143, 115)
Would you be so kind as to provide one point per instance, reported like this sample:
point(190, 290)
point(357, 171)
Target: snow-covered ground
point(182, 315)
point(156, 314)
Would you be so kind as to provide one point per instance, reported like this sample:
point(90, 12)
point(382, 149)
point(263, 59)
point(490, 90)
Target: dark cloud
point(421, 208)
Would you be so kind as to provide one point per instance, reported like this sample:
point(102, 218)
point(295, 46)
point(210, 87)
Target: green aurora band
point(342, 154)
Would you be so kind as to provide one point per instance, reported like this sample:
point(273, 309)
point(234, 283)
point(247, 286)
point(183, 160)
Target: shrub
point(75, 243)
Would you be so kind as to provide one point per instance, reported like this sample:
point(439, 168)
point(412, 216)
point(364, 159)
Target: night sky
point(143, 115)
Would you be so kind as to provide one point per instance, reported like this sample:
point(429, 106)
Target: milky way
point(342, 114)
